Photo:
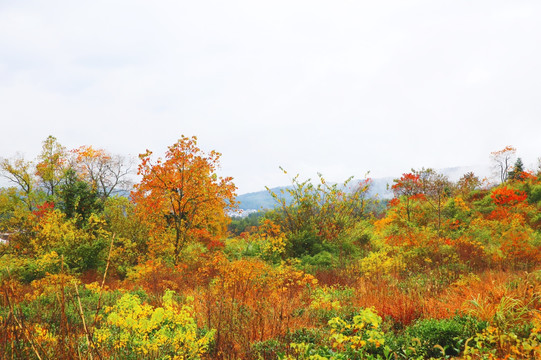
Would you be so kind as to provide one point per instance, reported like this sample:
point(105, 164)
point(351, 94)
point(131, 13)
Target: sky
point(336, 87)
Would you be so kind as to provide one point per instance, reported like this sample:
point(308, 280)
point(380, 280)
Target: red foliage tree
point(409, 187)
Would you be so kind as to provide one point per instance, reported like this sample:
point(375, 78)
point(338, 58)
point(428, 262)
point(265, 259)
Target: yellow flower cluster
point(459, 203)
point(363, 331)
point(274, 246)
point(169, 331)
point(323, 299)
point(380, 263)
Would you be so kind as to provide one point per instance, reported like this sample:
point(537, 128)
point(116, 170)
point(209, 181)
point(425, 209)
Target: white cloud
point(339, 88)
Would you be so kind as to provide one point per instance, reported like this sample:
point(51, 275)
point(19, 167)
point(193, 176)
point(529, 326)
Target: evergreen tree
point(518, 169)
point(77, 198)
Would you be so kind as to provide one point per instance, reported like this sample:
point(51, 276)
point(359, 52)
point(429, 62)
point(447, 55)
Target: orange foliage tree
point(184, 193)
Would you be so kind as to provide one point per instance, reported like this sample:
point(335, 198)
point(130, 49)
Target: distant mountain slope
point(380, 188)
point(263, 199)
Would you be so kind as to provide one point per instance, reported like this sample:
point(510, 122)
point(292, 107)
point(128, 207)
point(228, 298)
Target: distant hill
point(380, 188)
point(263, 200)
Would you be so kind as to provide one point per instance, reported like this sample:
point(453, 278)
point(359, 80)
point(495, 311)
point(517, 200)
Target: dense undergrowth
point(447, 270)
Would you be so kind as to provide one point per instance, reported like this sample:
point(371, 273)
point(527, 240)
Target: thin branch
point(81, 313)
point(103, 281)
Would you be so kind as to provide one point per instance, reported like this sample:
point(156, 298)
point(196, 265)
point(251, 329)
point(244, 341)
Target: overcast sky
point(337, 87)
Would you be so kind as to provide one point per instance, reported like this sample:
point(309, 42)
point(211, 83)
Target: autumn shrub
point(130, 245)
point(133, 329)
point(250, 301)
point(494, 343)
point(423, 258)
point(514, 319)
point(483, 203)
point(329, 302)
point(82, 248)
point(379, 263)
point(461, 214)
point(485, 232)
point(314, 217)
point(398, 305)
point(28, 269)
point(48, 319)
point(361, 235)
point(25, 342)
point(156, 276)
point(471, 252)
point(44, 303)
point(517, 250)
point(268, 246)
point(362, 333)
point(331, 256)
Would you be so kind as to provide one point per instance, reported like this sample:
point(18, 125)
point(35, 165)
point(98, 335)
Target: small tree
point(184, 193)
point(502, 160)
point(76, 198)
point(518, 170)
point(104, 172)
point(408, 188)
point(467, 183)
point(436, 188)
point(313, 214)
point(20, 172)
point(52, 165)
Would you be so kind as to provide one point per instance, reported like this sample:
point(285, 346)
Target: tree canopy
point(184, 194)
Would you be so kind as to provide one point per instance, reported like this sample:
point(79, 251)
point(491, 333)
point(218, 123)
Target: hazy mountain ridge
point(380, 188)
point(263, 199)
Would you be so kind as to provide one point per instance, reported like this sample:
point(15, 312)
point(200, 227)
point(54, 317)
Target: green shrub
point(535, 194)
point(358, 338)
point(304, 243)
point(307, 335)
point(322, 260)
point(267, 350)
point(329, 302)
point(445, 335)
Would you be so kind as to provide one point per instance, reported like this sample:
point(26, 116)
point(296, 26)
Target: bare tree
point(106, 173)
point(436, 188)
point(467, 183)
point(503, 162)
